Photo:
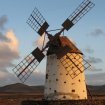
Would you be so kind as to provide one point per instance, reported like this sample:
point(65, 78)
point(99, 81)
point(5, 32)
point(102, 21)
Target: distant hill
point(97, 90)
point(19, 87)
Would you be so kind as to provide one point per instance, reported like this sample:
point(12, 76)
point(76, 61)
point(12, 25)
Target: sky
point(17, 39)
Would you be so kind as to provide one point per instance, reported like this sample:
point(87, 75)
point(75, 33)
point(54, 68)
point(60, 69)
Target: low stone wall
point(67, 102)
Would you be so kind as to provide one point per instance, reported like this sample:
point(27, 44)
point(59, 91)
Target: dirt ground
point(17, 98)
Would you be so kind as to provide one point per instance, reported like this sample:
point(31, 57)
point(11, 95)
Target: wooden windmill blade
point(74, 64)
point(37, 22)
point(24, 69)
point(82, 9)
point(71, 58)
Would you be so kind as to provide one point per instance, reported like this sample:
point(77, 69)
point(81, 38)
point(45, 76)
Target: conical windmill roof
point(66, 42)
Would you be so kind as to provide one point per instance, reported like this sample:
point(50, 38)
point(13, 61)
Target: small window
point(56, 79)
point(79, 80)
point(64, 96)
point(73, 90)
point(64, 81)
point(46, 76)
point(55, 91)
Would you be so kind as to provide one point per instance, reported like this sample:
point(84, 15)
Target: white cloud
point(95, 79)
point(36, 78)
point(2, 74)
point(8, 50)
point(7, 78)
point(8, 53)
point(14, 43)
point(3, 37)
point(40, 40)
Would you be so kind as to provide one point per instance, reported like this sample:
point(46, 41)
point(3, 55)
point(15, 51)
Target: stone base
point(64, 102)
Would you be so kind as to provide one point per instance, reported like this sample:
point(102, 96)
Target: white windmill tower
point(65, 79)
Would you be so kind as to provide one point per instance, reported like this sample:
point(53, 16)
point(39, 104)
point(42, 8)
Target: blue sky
point(88, 33)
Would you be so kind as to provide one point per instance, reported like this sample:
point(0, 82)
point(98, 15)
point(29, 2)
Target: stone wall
point(82, 102)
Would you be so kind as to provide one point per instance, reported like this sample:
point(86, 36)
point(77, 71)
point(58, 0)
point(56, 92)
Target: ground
point(17, 98)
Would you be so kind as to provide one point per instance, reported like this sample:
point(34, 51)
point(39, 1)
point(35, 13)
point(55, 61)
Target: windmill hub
point(61, 46)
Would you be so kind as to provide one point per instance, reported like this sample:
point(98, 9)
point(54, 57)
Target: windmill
point(65, 79)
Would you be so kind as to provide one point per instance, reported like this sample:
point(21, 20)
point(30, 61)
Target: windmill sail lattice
point(83, 8)
point(24, 69)
point(73, 65)
point(37, 22)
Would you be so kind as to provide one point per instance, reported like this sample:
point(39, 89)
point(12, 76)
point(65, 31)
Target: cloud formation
point(94, 69)
point(37, 78)
point(95, 79)
point(3, 37)
point(40, 40)
point(8, 50)
point(8, 53)
point(97, 32)
point(94, 60)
